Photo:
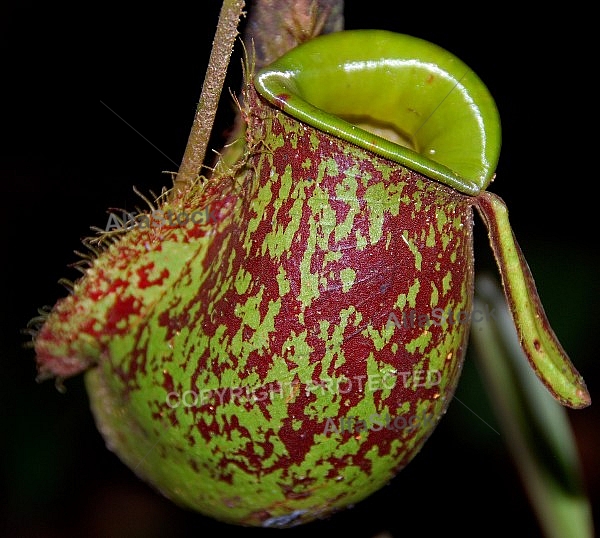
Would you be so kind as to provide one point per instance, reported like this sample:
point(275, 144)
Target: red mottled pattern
point(408, 241)
point(381, 275)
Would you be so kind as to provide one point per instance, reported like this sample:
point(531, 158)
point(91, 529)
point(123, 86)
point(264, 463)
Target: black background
point(66, 157)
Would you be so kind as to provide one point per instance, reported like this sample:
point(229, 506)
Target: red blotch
point(121, 310)
point(281, 100)
point(168, 382)
point(174, 324)
point(100, 292)
point(145, 282)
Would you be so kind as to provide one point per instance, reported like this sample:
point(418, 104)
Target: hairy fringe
point(35, 324)
point(101, 240)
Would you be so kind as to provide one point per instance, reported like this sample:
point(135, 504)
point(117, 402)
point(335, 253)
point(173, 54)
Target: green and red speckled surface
point(56, 477)
point(316, 243)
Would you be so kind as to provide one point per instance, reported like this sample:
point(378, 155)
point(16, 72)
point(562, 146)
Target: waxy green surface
point(422, 91)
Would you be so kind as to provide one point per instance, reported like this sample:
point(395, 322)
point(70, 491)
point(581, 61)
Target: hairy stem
point(274, 27)
point(195, 151)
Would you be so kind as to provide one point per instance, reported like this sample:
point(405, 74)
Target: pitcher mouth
point(442, 119)
point(389, 131)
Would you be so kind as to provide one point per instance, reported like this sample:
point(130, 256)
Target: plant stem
point(195, 151)
point(277, 26)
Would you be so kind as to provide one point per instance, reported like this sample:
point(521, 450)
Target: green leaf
point(535, 426)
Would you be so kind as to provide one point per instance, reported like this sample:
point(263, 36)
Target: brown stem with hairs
point(195, 151)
